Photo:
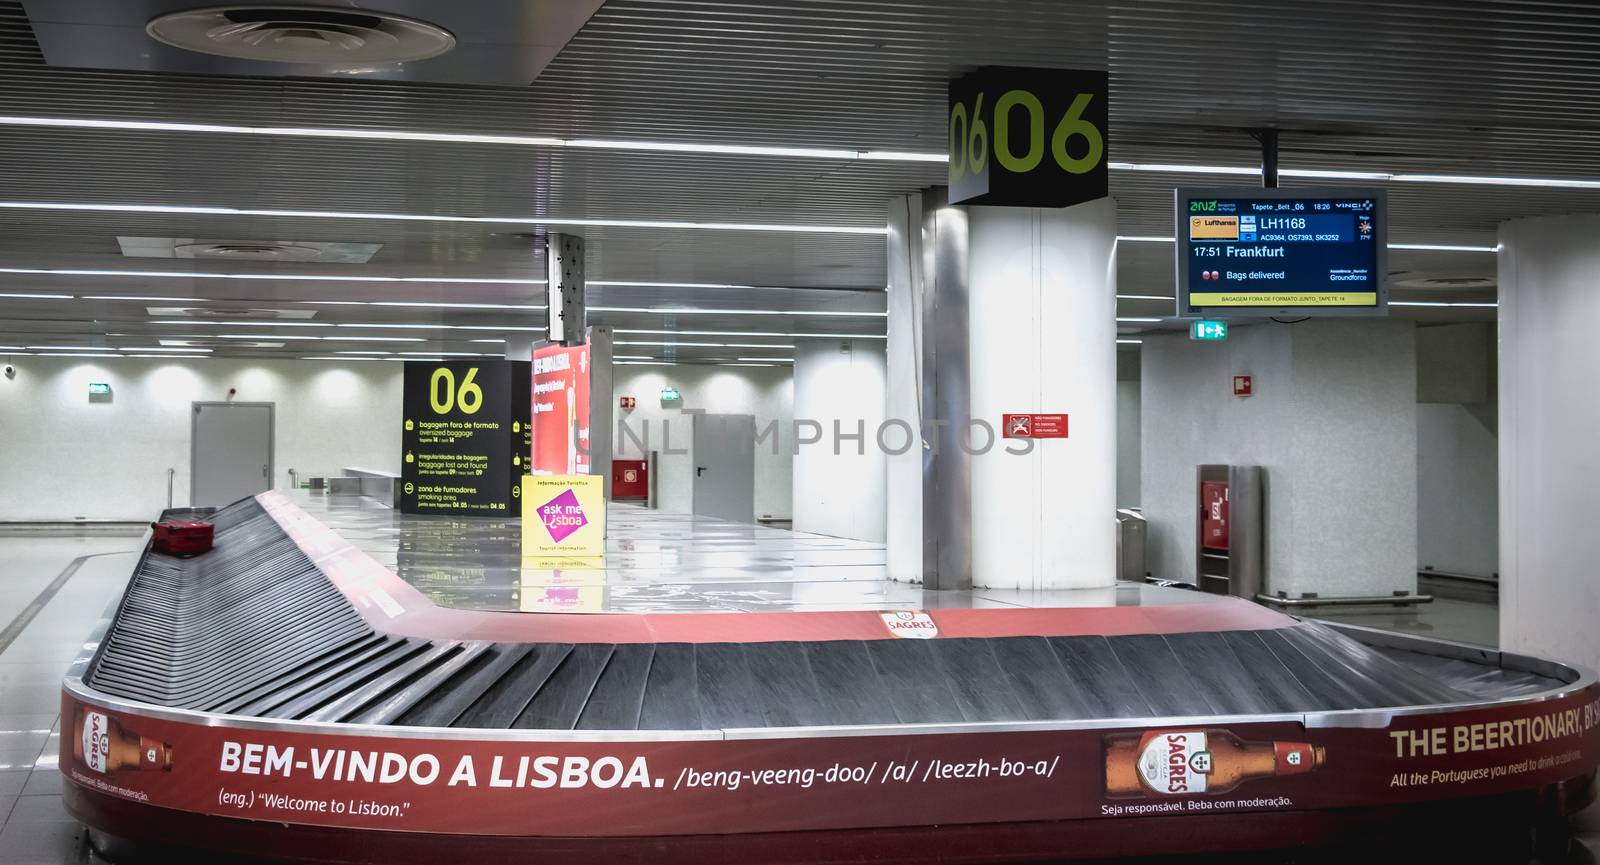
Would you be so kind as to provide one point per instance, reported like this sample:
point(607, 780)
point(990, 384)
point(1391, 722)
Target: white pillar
point(1549, 414)
point(1043, 340)
point(839, 482)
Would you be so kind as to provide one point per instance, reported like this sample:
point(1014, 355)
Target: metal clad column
point(901, 436)
point(930, 517)
point(1043, 340)
point(564, 258)
point(1549, 466)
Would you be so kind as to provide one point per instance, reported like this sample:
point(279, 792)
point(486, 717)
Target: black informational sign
point(1251, 252)
point(1028, 137)
point(464, 445)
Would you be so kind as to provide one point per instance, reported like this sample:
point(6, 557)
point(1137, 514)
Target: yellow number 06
point(444, 396)
point(967, 145)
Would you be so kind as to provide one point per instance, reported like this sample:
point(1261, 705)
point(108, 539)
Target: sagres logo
point(562, 516)
point(911, 624)
point(96, 741)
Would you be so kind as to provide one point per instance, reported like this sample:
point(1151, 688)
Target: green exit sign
point(1209, 330)
point(99, 388)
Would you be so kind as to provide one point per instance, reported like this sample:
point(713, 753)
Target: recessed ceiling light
point(202, 210)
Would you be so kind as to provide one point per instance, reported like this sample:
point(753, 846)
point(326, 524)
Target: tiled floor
point(33, 825)
point(34, 828)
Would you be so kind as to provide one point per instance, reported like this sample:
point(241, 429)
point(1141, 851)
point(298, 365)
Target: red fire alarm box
point(630, 479)
point(1243, 385)
point(627, 402)
point(1214, 515)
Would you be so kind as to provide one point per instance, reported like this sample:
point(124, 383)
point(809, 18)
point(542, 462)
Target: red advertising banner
point(494, 783)
point(1034, 426)
point(560, 410)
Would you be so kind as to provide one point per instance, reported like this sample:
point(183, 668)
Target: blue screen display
point(1242, 253)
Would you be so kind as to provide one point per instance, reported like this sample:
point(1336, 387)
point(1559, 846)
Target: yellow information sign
point(563, 515)
point(1335, 298)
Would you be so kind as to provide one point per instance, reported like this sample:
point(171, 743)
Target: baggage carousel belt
point(254, 628)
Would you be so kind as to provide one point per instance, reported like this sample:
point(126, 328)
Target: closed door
point(724, 453)
point(231, 452)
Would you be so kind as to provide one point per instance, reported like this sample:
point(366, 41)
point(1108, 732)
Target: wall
point(1457, 450)
point(1334, 423)
point(766, 392)
point(840, 487)
point(1549, 465)
point(63, 457)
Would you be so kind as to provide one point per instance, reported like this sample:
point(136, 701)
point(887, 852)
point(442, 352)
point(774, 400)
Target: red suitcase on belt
point(182, 537)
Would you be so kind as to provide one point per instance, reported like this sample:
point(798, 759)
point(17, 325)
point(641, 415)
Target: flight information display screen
point(1251, 251)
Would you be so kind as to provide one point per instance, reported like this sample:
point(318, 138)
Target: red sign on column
point(1034, 426)
point(1242, 385)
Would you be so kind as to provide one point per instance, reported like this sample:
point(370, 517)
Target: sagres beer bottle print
point(1188, 762)
point(104, 746)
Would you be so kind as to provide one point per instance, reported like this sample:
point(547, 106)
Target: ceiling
point(1500, 88)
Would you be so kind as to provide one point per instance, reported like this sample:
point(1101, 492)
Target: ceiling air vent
point(319, 35)
point(248, 251)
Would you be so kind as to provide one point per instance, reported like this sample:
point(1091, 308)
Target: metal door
point(724, 453)
point(230, 446)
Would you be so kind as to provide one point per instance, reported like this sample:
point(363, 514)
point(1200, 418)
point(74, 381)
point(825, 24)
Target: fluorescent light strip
point(345, 358)
point(760, 333)
point(476, 138)
point(767, 359)
point(169, 356)
point(186, 350)
point(446, 354)
point(766, 345)
point(142, 297)
point(1437, 247)
point(644, 363)
point(297, 277)
point(252, 323)
point(747, 364)
point(1146, 297)
point(833, 153)
point(49, 354)
point(276, 337)
point(36, 296)
point(1146, 319)
point(660, 310)
point(1442, 303)
point(1444, 247)
point(1130, 342)
point(364, 352)
point(70, 347)
point(203, 210)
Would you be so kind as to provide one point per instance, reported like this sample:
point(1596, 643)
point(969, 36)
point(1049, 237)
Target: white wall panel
point(840, 485)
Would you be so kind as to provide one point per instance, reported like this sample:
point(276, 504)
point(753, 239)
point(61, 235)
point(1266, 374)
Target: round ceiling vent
point(1446, 283)
point(250, 251)
point(317, 35)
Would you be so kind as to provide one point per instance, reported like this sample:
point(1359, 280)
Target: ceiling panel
point(1472, 87)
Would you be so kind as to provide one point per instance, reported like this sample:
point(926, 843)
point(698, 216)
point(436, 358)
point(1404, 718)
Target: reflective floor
point(661, 563)
point(53, 587)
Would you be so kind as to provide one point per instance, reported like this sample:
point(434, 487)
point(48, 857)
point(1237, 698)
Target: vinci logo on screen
point(560, 410)
point(563, 515)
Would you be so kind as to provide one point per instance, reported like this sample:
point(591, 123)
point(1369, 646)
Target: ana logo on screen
point(562, 516)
